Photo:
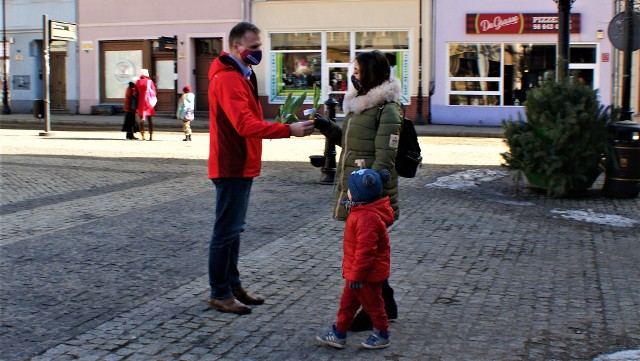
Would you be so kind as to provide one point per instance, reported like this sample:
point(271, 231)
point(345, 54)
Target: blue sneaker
point(333, 338)
point(376, 340)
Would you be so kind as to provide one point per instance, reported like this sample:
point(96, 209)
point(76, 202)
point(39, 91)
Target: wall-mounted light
point(599, 34)
point(86, 46)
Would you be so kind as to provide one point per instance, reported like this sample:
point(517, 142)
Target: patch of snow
point(629, 355)
point(467, 179)
point(592, 217)
point(514, 203)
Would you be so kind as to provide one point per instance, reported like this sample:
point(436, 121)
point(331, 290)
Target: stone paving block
point(469, 268)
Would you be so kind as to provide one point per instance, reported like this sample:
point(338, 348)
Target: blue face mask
point(346, 203)
point(251, 57)
point(356, 83)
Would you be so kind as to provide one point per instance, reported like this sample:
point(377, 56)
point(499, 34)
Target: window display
point(298, 60)
point(120, 67)
point(501, 74)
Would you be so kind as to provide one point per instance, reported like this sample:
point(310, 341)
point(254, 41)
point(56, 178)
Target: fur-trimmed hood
point(389, 91)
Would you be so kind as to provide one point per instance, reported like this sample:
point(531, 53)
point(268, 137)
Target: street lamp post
point(564, 18)
point(5, 88)
point(627, 60)
point(328, 170)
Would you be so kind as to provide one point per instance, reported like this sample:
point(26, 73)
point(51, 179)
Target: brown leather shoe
point(243, 296)
point(230, 305)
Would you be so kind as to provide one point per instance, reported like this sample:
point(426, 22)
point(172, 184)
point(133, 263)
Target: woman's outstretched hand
point(322, 123)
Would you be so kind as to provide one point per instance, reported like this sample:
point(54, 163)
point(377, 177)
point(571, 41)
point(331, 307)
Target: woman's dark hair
point(374, 70)
point(237, 32)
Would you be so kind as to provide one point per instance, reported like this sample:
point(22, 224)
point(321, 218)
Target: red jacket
point(144, 85)
point(367, 252)
point(128, 98)
point(236, 123)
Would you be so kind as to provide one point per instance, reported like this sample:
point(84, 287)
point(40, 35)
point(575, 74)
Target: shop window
point(208, 47)
point(474, 99)
point(297, 64)
point(582, 54)
point(165, 74)
point(338, 47)
point(474, 73)
point(296, 41)
point(297, 72)
point(501, 74)
point(582, 65)
point(300, 60)
point(382, 40)
point(120, 66)
point(529, 67)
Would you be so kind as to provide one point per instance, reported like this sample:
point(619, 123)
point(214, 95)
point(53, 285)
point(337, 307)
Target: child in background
point(186, 107)
point(366, 259)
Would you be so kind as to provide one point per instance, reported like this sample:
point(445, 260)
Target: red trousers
point(370, 297)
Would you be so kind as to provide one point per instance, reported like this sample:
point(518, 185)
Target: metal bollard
point(328, 171)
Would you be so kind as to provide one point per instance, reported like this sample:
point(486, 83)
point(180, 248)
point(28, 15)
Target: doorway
point(207, 49)
point(58, 80)
point(163, 74)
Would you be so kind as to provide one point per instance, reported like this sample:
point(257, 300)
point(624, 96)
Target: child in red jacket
point(366, 259)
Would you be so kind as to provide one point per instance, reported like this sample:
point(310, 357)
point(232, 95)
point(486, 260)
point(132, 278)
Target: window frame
point(501, 79)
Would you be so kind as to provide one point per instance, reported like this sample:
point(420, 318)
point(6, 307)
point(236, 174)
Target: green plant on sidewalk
point(564, 143)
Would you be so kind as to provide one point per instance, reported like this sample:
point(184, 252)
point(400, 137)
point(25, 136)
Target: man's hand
point(301, 129)
point(355, 285)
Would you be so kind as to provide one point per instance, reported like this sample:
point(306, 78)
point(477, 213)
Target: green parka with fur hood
point(365, 144)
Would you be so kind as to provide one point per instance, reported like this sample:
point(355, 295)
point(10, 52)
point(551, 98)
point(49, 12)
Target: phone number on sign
point(544, 26)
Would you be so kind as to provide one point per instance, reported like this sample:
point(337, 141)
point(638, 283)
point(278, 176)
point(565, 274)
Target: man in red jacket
point(236, 130)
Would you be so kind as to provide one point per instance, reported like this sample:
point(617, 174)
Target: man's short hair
point(238, 31)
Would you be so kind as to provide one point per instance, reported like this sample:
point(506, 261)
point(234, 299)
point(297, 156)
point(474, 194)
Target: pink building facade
point(176, 42)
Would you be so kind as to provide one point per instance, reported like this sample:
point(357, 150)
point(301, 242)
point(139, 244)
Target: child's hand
point(355, 285)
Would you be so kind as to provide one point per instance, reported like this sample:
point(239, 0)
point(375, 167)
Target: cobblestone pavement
point(104, 252)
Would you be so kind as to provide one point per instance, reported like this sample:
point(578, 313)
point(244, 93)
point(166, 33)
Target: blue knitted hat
point(365, 185)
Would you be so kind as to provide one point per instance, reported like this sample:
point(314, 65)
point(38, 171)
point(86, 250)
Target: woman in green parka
point(369, 139)
point(371, 129)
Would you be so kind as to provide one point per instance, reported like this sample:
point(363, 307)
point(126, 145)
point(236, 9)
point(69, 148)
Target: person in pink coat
point(146, 93)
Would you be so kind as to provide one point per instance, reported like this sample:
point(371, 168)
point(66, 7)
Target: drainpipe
point(5, 95)
point(420, 118)
point(246, 10)
point(77, 42)
point(432, 57)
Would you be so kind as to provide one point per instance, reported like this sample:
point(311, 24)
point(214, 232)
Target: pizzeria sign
point(518, 23)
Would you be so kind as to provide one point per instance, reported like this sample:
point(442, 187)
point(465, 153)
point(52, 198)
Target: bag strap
point(149, 90)
point(380, 109)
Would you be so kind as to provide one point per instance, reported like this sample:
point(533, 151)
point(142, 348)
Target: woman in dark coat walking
point(130, 102)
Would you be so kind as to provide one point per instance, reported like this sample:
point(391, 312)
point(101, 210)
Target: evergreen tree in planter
point(564, 142)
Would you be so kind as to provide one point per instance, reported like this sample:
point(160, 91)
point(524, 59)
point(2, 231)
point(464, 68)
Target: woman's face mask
point(356, 83)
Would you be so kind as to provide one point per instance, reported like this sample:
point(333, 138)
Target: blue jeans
point(232, 200)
